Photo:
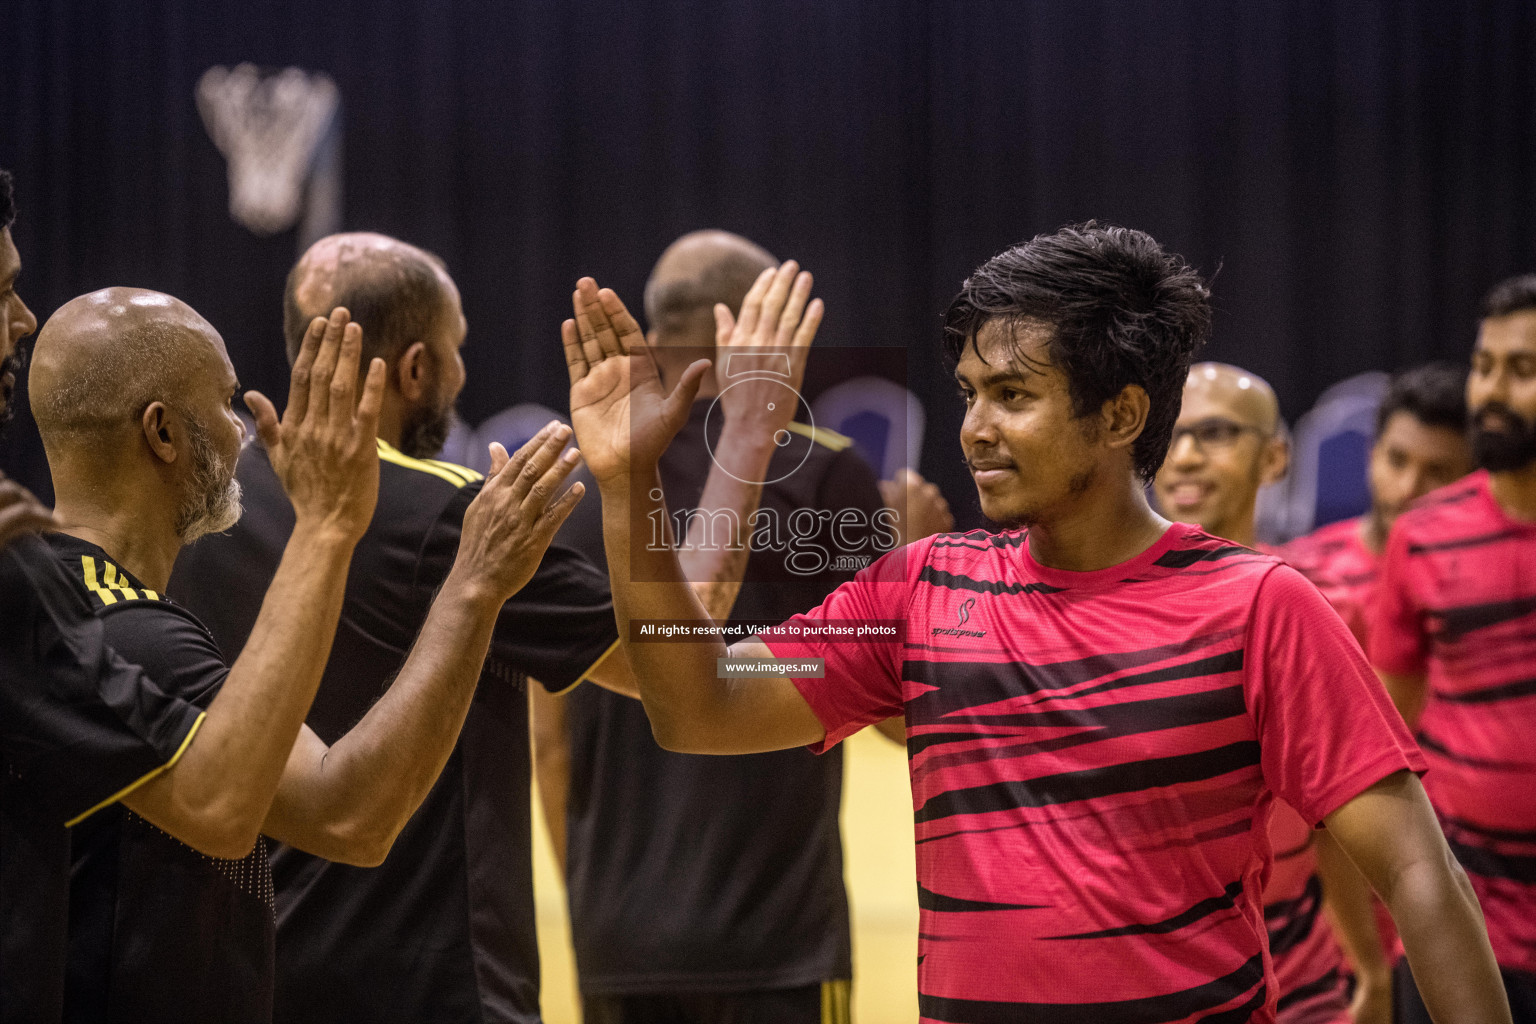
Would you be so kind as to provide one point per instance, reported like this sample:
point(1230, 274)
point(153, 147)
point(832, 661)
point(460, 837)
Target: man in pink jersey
point(1101, 706)
point(1227, 444)
point(1421, 445)
point(1453, 633)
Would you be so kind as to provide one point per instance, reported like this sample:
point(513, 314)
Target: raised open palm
point(623, 418)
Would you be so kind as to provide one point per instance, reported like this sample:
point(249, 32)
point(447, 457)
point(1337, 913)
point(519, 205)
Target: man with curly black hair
point(1102, 707)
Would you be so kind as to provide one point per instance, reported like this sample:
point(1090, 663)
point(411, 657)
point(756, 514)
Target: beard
point(214, 504)
point(1500, 451)
point(14, 364)
point(1031, 516)
point(425, 430)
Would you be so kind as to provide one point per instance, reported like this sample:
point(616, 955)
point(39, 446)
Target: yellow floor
point(882, 888)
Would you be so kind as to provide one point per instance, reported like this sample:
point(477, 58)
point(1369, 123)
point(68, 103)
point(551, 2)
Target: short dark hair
point(1435, 394)
point(1122, 310)
point(395, 296)
point(7, 200)
point(1512, 295)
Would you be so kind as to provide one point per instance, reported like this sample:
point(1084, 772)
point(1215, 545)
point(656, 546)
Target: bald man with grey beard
point(83, 728)
point(132, 394)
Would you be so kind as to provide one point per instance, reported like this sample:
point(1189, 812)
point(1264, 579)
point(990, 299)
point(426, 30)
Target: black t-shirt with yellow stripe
point(157, 930)
point(443, 930)
point(79, 728)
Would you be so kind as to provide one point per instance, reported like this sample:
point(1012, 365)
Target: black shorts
point(1408, 1008)
point(826, 1003)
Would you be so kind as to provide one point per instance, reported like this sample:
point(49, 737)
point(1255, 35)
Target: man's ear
point(162, 431)
point(412, 373)
point(1124, 417)
point(1276, 460)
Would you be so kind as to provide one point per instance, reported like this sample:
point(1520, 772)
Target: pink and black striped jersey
point(1309, 965)
point(1457, 601)
point(1336, 561)
point(1094, 757)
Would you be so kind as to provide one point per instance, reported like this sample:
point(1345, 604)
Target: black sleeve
point(170, 643)
point(80, 724)
point(554, 629)
point(851, 484)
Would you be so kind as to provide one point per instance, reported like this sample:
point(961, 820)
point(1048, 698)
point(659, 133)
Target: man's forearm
point(733, 493)
point(361, 792)
point(1408, 693)
point(1442, 929)
point(1348, 896)
point(649, 583)
point(551, 761)
point(220, 791)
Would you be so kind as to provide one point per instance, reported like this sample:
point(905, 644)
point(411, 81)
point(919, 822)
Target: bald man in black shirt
point(80, 728)
point(443, 930)
point(131, 391)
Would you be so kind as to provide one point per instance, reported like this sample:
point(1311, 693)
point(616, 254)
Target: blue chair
point(884, 420)
point(512, 427)
point(1330, 456)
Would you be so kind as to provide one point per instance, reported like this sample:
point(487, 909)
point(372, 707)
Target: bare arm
point(21, 512)
point(778, 317)
point(1390, 833)
point(349, 802)
point(216, 796)
point(624, 423)
point(551, 761)
point(893, 729)
point(1408, 692)
point(1348, 897)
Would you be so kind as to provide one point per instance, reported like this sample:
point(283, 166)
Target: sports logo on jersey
point(962, 616)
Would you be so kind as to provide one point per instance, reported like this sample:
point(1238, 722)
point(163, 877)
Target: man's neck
point(1100, 530)
point(1238, 531)
point(1373, 533)
point(138, 543)
point(1515, 491)
point(391, 421)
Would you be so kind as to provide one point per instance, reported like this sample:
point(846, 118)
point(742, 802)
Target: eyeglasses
point(1212, 433)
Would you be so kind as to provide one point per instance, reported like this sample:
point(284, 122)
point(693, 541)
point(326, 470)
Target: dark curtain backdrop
point(1359, 172)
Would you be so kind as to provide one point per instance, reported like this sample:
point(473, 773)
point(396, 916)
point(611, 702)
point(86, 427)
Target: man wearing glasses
point(1227, 443)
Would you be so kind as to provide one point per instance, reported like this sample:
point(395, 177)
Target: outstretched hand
point(623, 418)
point(921, 510)
point(324, 449)
point(773, 332)
point(510, 524)
point(20, 512)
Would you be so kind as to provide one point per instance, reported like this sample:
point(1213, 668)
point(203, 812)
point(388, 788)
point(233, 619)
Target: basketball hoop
point(280, 134)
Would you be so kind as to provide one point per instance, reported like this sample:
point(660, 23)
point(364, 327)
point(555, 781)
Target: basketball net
point(280, 135)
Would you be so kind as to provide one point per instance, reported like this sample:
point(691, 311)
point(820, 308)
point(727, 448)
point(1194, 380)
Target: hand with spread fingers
point(324, 449)
point(20, 512)
point(921, 510)
point(623, 418)
point(510, 524)
point(773, 334)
